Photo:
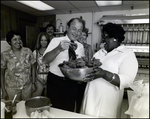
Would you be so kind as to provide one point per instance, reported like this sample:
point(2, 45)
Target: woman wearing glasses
point(105, 88)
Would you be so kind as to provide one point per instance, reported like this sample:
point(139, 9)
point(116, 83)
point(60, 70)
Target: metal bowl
point(77, 74)
point(38, 103)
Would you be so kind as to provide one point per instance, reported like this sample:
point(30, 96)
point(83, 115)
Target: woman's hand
point(98, 72)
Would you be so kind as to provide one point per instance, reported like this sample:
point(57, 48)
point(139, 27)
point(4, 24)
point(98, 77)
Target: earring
point(115, 40)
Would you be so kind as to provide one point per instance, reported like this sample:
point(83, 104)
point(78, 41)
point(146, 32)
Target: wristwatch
point(113, 77)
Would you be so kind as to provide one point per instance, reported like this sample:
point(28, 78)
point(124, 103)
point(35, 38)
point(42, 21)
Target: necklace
point(41, 51)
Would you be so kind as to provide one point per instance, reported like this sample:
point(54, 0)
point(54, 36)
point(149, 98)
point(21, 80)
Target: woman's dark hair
point(79, 19)
point(114, 31)
point(86, 30)
point(10, 35)
point(38, 44)
point(50, 25)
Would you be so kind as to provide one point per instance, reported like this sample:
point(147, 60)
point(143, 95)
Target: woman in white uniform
point(104, 91)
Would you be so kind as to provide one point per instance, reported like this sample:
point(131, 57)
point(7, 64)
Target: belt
point(57, 77)
point(64, 78)
point(60, 78)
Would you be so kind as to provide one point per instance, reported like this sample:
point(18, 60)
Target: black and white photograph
point(74, 59)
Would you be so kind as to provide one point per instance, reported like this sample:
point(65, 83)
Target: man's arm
point(50, 56)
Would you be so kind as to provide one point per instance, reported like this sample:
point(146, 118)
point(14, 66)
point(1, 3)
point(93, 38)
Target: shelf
point(132, 30)
point(138, 48)
point(143, 71)
point(59, 33)
point(62, 33)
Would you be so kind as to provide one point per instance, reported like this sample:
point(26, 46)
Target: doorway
point(28, 38)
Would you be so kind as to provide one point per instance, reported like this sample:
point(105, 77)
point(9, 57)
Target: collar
point(104, 51)
point(11, 51)
point(120, 49)
point(67, 38)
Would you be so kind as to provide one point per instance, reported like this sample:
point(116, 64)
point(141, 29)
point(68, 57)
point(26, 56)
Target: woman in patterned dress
point(87, 48)
point(41, 69)
point(17, 69)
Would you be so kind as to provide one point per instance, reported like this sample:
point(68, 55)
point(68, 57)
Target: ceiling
point(70, 7)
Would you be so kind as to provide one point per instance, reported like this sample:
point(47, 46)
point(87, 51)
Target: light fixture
point(108, 3)
point(39, 5)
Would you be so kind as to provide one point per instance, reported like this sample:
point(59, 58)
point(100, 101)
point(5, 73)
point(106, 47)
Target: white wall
point(91, 18)
point(4, 46)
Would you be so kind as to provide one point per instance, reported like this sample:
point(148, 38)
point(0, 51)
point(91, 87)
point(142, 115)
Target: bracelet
point(113, 78)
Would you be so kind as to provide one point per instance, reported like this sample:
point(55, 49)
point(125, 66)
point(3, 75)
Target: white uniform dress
point(101, 98)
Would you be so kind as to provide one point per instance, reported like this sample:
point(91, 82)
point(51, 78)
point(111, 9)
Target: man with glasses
point(61, 90)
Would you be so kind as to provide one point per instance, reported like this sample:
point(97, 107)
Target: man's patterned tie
point(71, 51)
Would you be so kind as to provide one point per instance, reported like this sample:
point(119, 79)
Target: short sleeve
point(31, 57)
point(128, 70)
point(53, 44)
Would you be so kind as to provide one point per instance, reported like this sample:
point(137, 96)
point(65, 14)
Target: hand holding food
point(73, 45)
point(98, 72)
point(64, 45)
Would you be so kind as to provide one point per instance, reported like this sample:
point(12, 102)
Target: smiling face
point(43, 41)
point(82, 38)
point(50, 31)
point(74, 30)
point(16, 42)
point(110, 43)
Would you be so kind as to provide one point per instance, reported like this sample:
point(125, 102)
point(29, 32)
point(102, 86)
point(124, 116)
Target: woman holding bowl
point(105, 88)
